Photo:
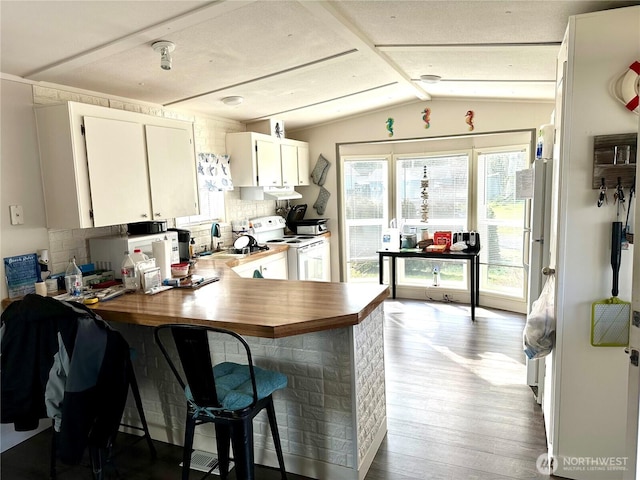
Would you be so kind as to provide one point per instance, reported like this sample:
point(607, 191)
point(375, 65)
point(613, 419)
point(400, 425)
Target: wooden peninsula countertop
point(257, 307)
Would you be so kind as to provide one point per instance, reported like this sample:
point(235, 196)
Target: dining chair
point(227, 394)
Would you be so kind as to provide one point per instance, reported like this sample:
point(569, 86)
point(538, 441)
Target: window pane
point(501, 222)
point(448, 191)
point(366, 206)
point(448, 210)
point(419, 271)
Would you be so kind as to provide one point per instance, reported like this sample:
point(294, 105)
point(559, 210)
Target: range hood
point(268, 193)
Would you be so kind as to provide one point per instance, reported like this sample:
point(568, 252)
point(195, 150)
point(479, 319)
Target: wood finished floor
point(457, 407)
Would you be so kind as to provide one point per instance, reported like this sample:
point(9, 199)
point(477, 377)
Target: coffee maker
point(184, 236)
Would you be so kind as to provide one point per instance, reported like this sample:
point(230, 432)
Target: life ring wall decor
point(626, 88)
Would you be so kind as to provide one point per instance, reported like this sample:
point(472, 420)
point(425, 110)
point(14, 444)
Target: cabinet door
point(246, 270)
point(116, 155)
point(303, 165)
point(172, 172)
point(289, 159)
point(275, 267)
point(268, 160)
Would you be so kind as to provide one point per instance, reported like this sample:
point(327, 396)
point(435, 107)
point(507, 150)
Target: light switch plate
point(17, 215)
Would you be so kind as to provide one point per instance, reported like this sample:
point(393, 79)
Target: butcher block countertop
point(257, 307)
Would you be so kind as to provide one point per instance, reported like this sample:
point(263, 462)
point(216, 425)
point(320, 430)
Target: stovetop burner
point(294, 240)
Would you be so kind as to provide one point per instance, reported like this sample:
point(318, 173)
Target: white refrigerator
point(538, 232)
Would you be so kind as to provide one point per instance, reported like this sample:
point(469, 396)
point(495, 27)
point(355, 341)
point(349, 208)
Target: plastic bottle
point(128, 272)
point(192, 247)
point(539, 146)
point(73, 279)
point(436, 276)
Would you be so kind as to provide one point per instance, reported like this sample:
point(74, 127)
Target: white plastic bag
point(540, 330)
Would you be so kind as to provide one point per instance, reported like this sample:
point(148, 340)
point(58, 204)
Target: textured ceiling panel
point(353, 105)
point(342, 77)
point(428, 22)
point(72, 27)
point(478, 63)
point(501, 90)
point(248, 43)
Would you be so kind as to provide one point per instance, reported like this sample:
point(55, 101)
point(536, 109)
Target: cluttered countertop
point(250, 306)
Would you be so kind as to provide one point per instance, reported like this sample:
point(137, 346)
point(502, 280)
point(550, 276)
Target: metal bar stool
point(227, 394)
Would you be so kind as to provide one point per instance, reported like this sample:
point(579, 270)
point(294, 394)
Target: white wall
point(447, 118)
point(20, 181)
point(19, 185)
point(591, 384)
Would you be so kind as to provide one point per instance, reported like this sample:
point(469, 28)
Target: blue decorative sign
point(21, 272)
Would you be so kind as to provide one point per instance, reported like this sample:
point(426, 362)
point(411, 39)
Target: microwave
point(108, 252)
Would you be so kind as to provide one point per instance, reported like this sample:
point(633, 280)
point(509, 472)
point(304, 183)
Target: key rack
point(605, 165)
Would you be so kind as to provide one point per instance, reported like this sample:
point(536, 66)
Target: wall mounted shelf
point(605, 164)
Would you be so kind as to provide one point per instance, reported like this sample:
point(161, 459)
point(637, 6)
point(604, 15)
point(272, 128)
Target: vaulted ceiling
point(305, 62)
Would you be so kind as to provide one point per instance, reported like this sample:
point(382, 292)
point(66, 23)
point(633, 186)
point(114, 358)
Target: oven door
point(314, 263)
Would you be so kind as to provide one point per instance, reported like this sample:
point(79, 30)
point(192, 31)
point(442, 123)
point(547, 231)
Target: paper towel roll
point(161, 250)
point(548, 133)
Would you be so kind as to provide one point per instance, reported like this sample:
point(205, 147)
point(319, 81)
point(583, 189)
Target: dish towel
point(321, 202)
point(319, 173)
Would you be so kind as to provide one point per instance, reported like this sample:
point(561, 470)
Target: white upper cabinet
point(289, 158)
point(102, 166)
point(118, 174)
point(172, 173)
point(295, 162)
point(260, 160)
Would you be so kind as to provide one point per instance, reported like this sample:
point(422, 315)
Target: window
point(500, 222)
point(448, 205)
point(365, 213)
point(471, 188)
point(213, 178)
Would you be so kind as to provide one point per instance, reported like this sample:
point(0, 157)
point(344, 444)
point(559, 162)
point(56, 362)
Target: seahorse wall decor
point(426, 117)
point(390, 126)
point(469, 119)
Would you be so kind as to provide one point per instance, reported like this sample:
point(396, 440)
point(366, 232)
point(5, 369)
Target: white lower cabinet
point(272, 266)
point(103, 166)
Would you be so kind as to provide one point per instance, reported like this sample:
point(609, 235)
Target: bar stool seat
point(227, 394)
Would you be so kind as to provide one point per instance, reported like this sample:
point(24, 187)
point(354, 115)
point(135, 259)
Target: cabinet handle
point(144, 215)
point(158, 214)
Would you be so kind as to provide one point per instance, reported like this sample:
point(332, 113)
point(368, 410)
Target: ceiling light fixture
point(233, 100)
point(430, 78)
point(164, 48)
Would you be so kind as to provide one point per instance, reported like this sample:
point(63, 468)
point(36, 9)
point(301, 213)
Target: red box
point(442, 238)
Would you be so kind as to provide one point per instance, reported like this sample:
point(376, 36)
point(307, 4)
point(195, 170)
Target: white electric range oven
point(308, 256)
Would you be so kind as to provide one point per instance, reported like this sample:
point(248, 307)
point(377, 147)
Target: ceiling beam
point(146, 35)
point(332, 18)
